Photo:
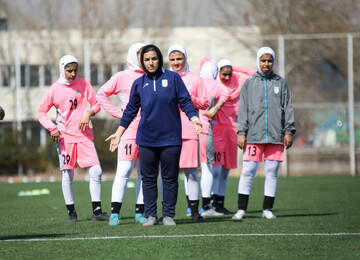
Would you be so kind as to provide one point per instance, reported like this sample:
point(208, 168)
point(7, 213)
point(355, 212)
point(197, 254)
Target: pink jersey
point(215, 91)
point(71, 103)
point(227, 114)
point(197, 91)
point(120, 84)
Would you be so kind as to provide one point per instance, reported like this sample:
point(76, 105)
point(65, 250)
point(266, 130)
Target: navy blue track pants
point(168, 157)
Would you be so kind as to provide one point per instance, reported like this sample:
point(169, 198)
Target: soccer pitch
point(318, 218)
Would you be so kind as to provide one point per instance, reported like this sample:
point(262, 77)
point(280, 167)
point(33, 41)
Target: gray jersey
point(265, 111)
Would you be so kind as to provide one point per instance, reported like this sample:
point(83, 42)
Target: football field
point(318, 218)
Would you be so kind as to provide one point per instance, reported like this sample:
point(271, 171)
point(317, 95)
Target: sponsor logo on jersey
point(78, 93)
point(164, 83)
point(276, 89)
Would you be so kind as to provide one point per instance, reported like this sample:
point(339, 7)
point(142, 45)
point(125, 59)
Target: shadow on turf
point(185, 221)
point(259, 212)
point(19, 237)
point(307, 215)
point(254, 214)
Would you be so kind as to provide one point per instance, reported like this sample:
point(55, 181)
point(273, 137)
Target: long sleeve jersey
point(120, 84)
point(215, 91)
point(71, 103)
point(159, 98)
point(228, 113)
point(197, 91)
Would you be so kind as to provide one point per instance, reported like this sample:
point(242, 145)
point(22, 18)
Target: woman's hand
point(241, 142)
point(114, 141)
point(287, 141)
point(214, 110)
point(85, 120)
point(115, 138)
point(56, 137)
point(197, 124)
point(210, 113)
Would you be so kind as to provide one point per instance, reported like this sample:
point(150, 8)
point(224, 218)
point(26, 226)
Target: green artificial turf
point(318, 218)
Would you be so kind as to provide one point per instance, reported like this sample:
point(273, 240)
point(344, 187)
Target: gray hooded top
point(265, 111)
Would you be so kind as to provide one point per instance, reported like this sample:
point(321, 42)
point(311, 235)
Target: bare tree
point(320, 65)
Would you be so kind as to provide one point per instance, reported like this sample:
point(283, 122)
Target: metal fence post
point(87, 69)
point(18, 104)
point(281, 55)
point(350, 59)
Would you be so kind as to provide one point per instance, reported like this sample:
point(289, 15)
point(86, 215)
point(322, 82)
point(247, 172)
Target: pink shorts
point(128, 150)
point(225, 145)
point(189, 157)
point(254, 152)
point(203, 157)
point(83, 153)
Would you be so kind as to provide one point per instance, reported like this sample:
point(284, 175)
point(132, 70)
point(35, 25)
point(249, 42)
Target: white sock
point(271, 169)
point(95, 173)
point(123, 171)
point(192, 183)
point(186, 187)
point(67, 186)
point(247, 175)
point(206, 179)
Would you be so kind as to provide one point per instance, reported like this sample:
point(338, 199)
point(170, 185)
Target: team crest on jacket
point(276, 89)
point(78, 93)
point(164, 83)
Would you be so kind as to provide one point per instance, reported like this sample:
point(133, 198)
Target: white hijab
point(261, 52)
point(209, 69)
point(132, 60)
point(180, 48)
point(223, 63)
point(65, 60)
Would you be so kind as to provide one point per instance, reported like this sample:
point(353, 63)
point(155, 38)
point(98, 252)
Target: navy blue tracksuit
point(159, 134)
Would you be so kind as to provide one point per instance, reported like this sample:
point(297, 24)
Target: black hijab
point(147, 48)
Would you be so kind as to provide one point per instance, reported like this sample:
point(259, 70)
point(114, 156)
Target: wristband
point(195, 120)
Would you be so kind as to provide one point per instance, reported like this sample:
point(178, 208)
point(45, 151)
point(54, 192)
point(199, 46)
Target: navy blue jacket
point(159, 97)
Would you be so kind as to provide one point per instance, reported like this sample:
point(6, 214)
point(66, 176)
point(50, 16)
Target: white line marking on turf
point(178, 236)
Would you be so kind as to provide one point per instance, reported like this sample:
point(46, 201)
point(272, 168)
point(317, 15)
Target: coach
point(158, 93)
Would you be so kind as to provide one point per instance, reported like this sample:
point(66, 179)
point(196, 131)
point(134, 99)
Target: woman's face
point(177, 61)
point(151, 61)
point(71, 71)
point(266, 63)
point(225, 74)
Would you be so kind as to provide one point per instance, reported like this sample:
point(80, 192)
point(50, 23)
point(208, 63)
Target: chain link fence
point(318, 68)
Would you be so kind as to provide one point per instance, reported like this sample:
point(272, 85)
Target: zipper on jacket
point(154, 83)
point(266, 112)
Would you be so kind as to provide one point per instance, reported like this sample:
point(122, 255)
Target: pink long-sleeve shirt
point(71, 103)
point(120, 84)
point(227, 114)
point(197, 91)
point(215, 91)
